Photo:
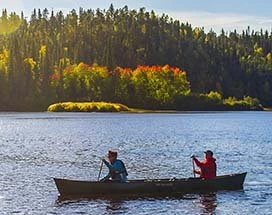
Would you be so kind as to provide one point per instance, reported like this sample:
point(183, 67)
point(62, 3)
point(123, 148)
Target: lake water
point(35, 147)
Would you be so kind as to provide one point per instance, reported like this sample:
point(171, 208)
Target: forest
point(134, 57)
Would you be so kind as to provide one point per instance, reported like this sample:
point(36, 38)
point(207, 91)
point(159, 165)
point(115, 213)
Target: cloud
point(217, 21)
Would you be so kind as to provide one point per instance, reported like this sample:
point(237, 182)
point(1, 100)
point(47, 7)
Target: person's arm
point(198, 163)
point(106, 162)
point(117, 166)
point(197, 172)
point(107, 177)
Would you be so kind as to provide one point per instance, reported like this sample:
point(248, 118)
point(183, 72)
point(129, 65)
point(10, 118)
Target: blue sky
point(215, 14)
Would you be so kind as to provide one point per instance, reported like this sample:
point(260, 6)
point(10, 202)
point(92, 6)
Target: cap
point(209, 152)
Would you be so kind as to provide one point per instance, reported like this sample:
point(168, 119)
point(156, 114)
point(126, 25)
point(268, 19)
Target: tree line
point(37, 53)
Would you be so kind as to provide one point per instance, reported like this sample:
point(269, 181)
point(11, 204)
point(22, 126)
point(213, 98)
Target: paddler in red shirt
point(207, 167)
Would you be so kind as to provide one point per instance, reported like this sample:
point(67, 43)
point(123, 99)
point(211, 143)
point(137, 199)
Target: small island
point(87, 107)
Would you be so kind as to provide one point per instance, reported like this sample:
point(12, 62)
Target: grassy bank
point(87, 107)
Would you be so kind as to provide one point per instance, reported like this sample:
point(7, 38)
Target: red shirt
point(207, 167)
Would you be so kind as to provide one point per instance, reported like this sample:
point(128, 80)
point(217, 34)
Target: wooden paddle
point(101, 166)
point(193, 167)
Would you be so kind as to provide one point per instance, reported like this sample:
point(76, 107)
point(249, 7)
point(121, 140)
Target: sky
point(210, 14)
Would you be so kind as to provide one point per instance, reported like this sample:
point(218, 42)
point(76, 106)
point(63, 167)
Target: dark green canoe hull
point(155, 187)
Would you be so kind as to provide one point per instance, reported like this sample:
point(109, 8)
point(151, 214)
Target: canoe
point(148, 187)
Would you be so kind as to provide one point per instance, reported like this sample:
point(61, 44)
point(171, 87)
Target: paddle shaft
point(101, 166)
point(193, 167)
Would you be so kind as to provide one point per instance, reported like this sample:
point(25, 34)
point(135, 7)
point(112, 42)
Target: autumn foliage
point(50, 57)
point(146, 86)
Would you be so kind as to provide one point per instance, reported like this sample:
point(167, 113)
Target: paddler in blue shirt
point(117, 169)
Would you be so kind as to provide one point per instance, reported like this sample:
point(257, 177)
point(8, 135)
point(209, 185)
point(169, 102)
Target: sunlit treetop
point(9, 23)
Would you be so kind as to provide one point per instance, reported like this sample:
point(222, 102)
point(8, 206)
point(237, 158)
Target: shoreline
point(107, 107)
point(141, 111)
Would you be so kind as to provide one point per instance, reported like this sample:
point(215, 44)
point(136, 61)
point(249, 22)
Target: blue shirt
point(117, 171)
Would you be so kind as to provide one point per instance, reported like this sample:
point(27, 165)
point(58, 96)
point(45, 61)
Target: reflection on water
point(115, 205)
point(198, 204)
point(208, 202)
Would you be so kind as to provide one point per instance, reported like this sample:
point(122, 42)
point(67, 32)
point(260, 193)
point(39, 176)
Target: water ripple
point(35, 147)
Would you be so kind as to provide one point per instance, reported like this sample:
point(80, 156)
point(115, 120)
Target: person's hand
point(192, 156)
point(102, 158)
